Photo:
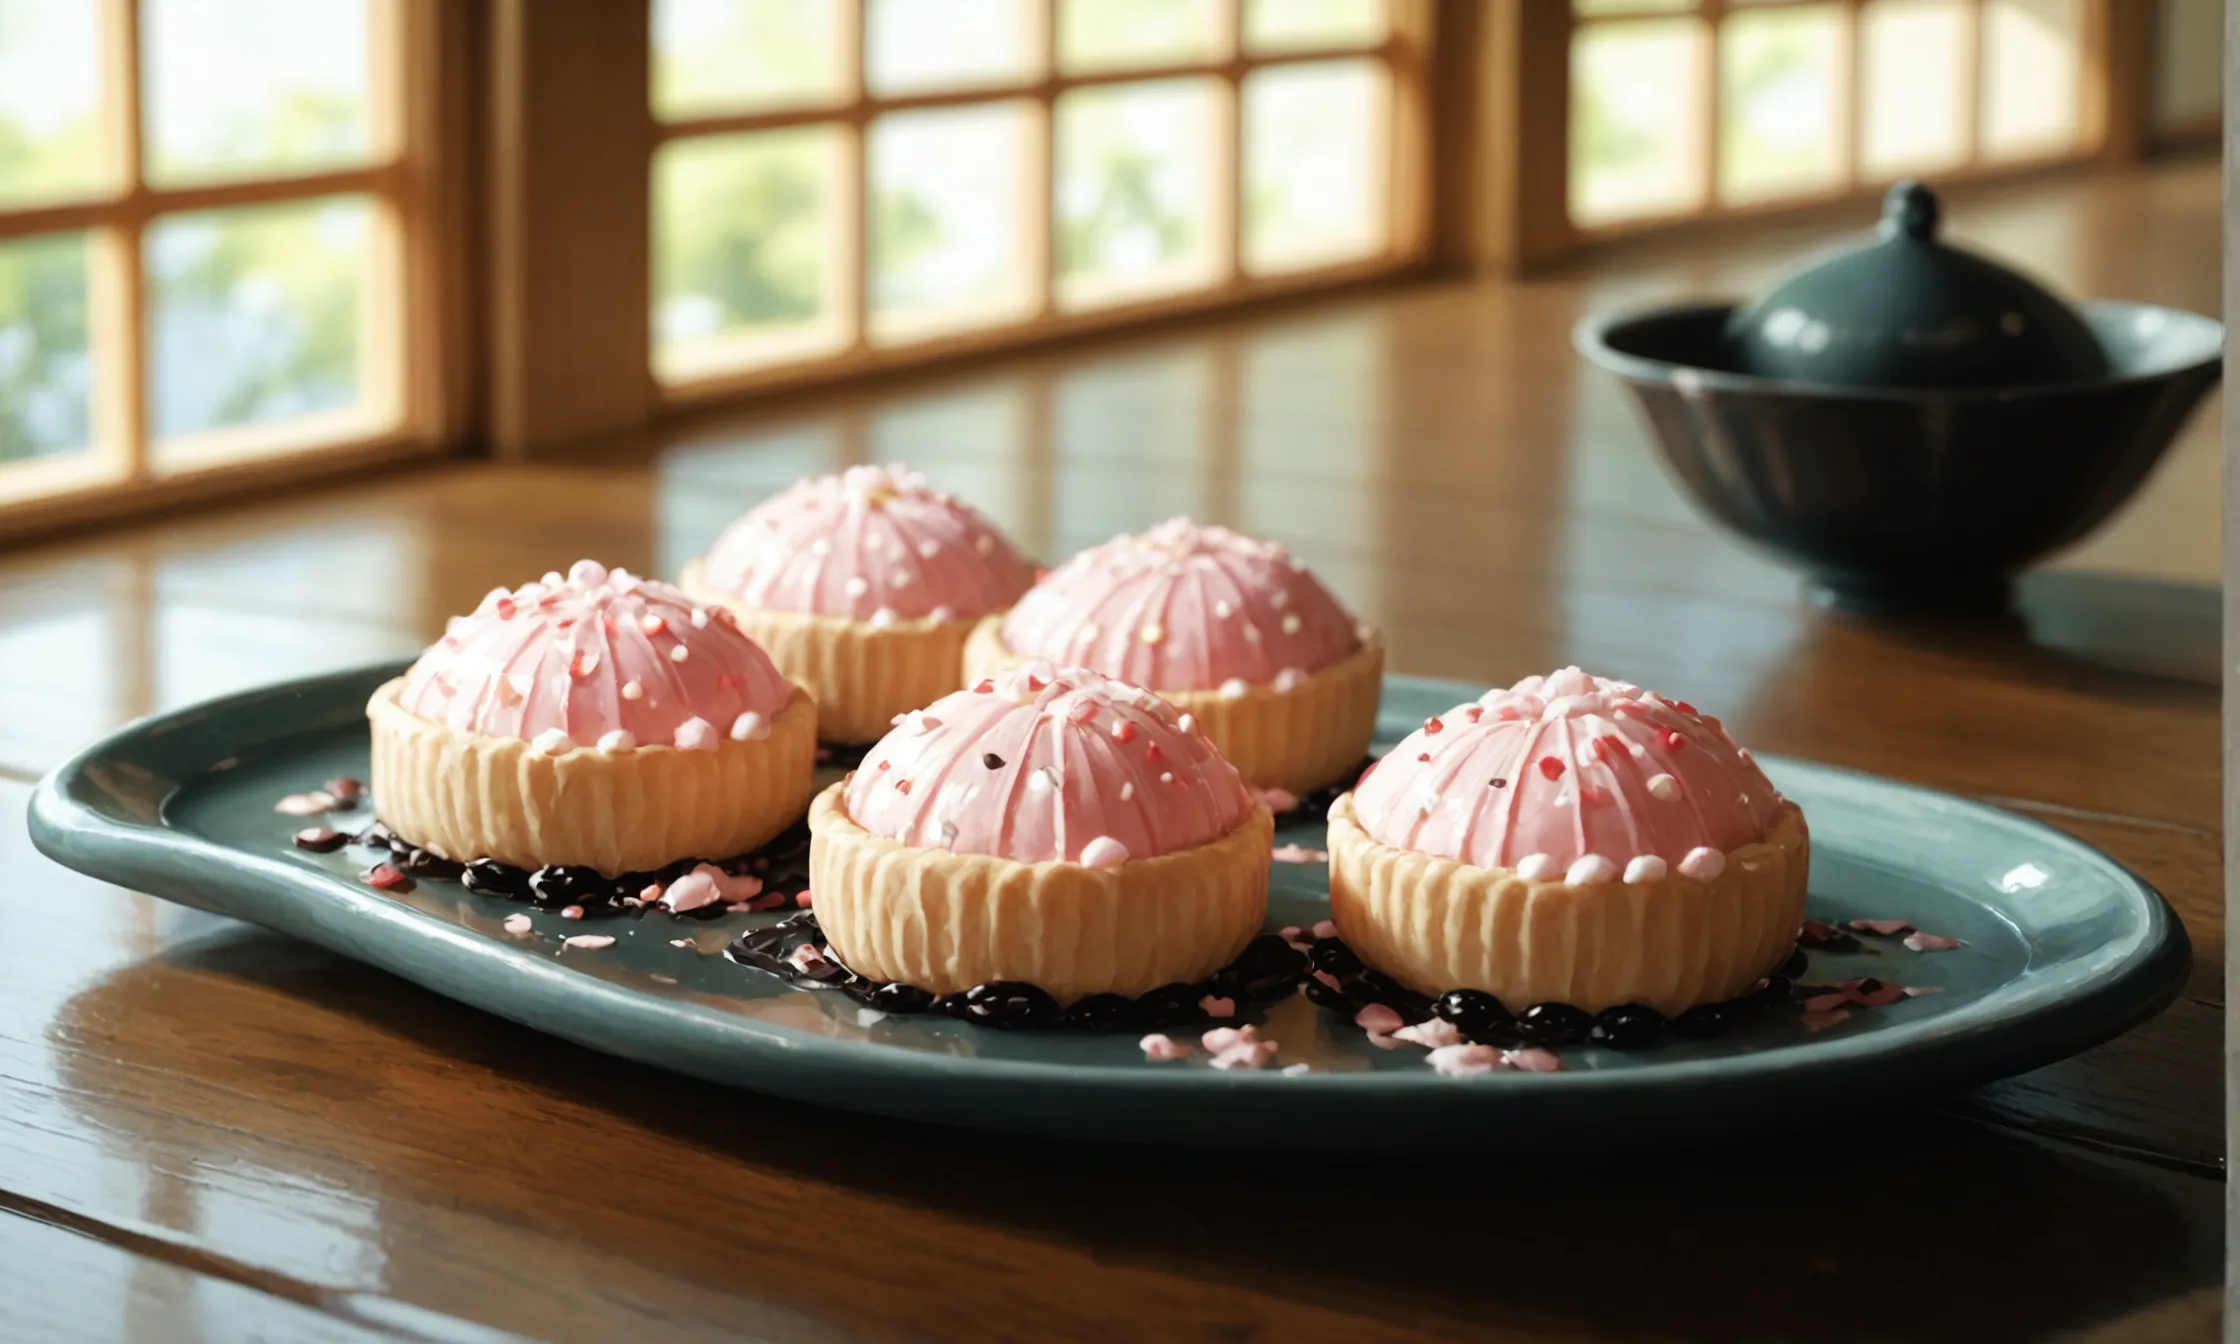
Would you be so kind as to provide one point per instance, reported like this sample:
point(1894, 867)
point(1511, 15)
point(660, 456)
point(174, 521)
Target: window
point(1690, 107)
point(851, 183)
point(203, 237)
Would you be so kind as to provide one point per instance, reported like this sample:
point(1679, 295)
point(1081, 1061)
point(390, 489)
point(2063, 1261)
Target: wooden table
point(211, 1131)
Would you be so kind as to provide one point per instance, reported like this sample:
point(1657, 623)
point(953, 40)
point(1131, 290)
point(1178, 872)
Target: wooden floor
point(212, 1132)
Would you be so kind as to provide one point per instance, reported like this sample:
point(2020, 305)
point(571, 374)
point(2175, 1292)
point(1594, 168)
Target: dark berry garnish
point(1772, 993)
point(1475, 1013)
point(1795, 965)
point(1173, 1005)
point(488, 877)
point(1104, 1012)
point(429, 864)
point(1554, 1024)
point(992, 761)
point(320, 839)
point(1703, 1022)
point(1322, 995)
point(568, 884)
point(1009, 1003)
point(900, 998)
point(1332, 955)
point(1269, 955)
point(377, 836)
point(1629, 1026)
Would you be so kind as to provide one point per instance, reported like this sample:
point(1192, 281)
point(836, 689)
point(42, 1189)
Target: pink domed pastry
point(1570, 840)
point(1183, 608)
point(1233, 630)
point(870, 544)
point(1567, 768)
point(1053, 827)
point(595, 655)
point(1037, 765)
point(863, 586)
point(597, 720)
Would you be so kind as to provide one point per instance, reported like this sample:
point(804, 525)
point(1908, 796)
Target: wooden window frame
point(411, 377)
point(573, 365)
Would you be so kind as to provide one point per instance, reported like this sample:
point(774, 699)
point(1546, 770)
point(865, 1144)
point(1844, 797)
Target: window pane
point(1636, 119)
point(1115, 34)
point(949, 219)
point(1292, 24)
point(1314, 157)
point(1135, 190)
point(1778, 80)
point(254, 313)
point(2189, 62)
point(50, 89)
point(940, 44)
point(236, 87)
point(744, 256)
point(46, 369)
point(741, 55)
point(1913, 58)
point(2032, 68)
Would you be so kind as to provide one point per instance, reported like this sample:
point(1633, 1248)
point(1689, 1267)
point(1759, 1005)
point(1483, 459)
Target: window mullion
point(117, 292)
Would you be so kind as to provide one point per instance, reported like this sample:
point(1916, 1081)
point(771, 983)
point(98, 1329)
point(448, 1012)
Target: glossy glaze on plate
point(2066, 949)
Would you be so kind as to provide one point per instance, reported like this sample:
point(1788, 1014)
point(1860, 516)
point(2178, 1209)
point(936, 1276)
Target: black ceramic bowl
point(1907, 498)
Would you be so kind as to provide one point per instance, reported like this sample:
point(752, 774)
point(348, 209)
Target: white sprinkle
point(307, 804)
point(1290, 679)
point(618, 740)
point(696, 734)
point(1222, 609)
point(1465, 1061)
point(1127, 790)
point(820, 547)
point(588, 942)
point(1103, 852)
point(681, 942)
point(1151, 634)
point(679, 653)
point(700, 618)
point(1187, 723)
point(929, 549)
point(1043, 780)
point(552, 742)
point(518, 924)
point(1251, 633)
point(652, 624)
point(1703, 863)
point(1290, 621)
point(1645, 868)
point(855, 586)
point(1166, 776)
point(882, 618)
point(942, 615)
point(1233, 689)
point(1589, 870)
point(1538, 867)
point(899, 578)
point(874, 542)
point(1432, 1034)
point(1294, 1070)
point(633, 691)
point(750, 727)
point(1664, 788)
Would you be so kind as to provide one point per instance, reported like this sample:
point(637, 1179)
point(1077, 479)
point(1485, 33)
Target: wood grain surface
point(215, 1132)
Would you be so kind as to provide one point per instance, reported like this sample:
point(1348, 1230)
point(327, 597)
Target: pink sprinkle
point(1328, 979)
point(1932, 942)
point(802, 901)
point(1215, 1006)
point(1324, 929)
point(1885, 928)
point(1916, 991)
point(517, 924)
point(571, 912)
point(1533, 1059)
point(1289, 932)
point(1158, 1047)
point(305, 804)
point(650, 893)
point(385, 877)
point(1224, 1038)
point(588, 942)
point(1825, 1003)
point(680, 942)
point(1276, 800)
point(1433, 1034)
point(1249, 1055)
point(1816, 1022)
point(1376, 1017)
point(1466, 1061)
point(1299, 854)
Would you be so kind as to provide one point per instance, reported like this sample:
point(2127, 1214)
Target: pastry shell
point(946, 921)
point(468, 797)
point(1297, 740)
point(861, 674)
point(1673, 943)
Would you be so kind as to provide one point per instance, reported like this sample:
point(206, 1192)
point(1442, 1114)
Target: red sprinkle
point(729, 681)
point(1551, 767)
point(902, 786)
point(1674, 741)
point(579, 666)
point(886, 765)
point(987, 686)
point(386, 877)
point(1421, 756)
point(1035, 683)
point(1123, 731)
point(1152, 753)
point(1685, 708)
point(506, 608)
point(1475, 713)
point(1432, 726)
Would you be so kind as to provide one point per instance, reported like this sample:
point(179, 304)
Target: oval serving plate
point(2064, 949)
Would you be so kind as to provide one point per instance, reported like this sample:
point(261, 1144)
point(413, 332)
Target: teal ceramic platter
point(2064, 949)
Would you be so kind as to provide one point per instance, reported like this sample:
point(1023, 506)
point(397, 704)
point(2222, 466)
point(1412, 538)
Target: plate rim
point(2016, 1029)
